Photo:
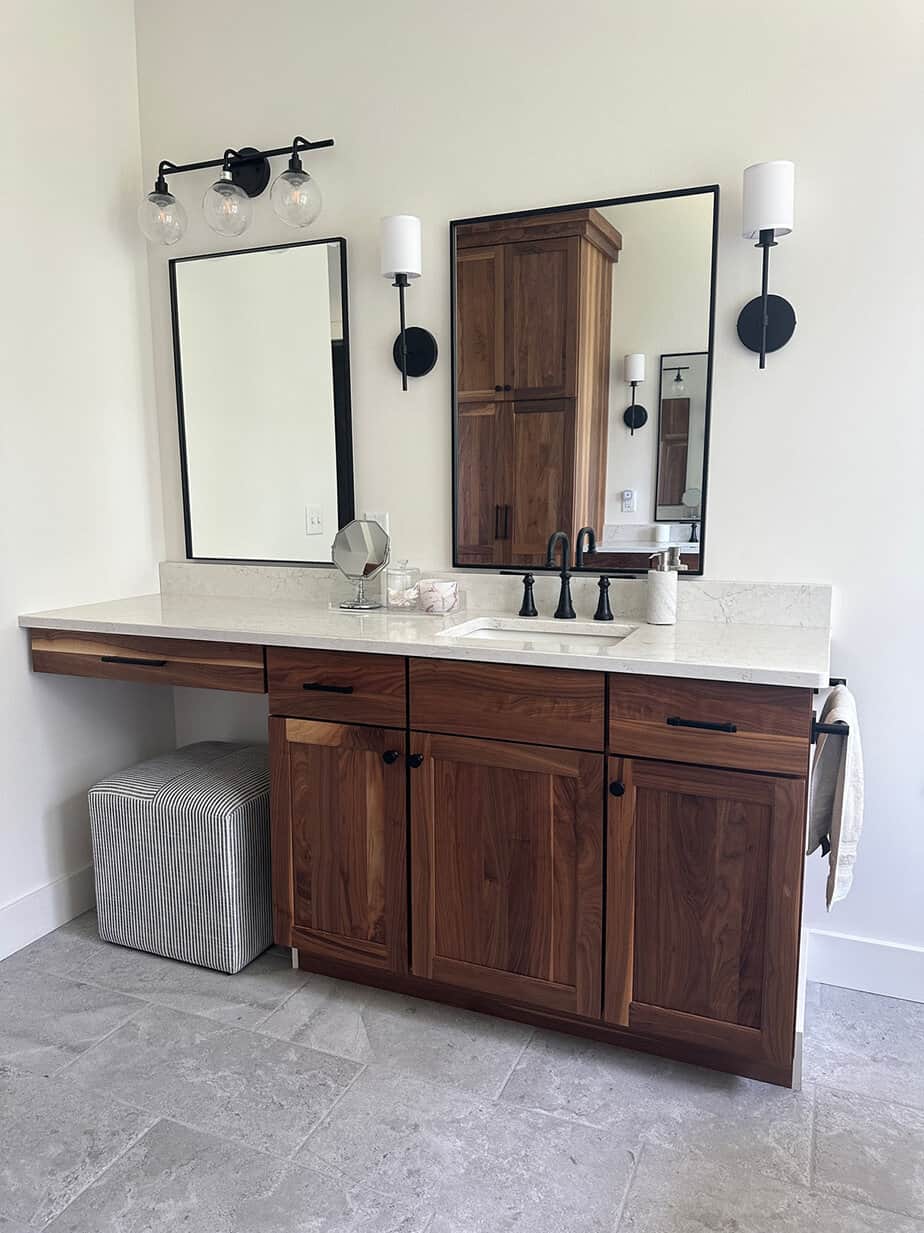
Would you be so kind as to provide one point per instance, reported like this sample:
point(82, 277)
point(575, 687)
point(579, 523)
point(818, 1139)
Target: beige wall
point(79, 483)
point(451, 110)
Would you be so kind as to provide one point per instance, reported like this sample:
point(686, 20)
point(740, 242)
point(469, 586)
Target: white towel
point(836, 794)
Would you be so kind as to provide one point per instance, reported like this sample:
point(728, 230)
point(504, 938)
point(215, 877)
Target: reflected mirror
point(548, 306)
point(361, 551)
point(261, 347)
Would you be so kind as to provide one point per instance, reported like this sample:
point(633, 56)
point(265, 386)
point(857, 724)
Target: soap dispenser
point(662, 587)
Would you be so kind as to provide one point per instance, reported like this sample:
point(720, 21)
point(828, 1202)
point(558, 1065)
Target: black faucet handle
point(528, 606)
point(604, 611)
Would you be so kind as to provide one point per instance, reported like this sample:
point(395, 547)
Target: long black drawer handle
point(328, 689)
point(128, 659)
point(676, 722)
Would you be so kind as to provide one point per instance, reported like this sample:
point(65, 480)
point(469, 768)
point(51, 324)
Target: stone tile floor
point(140, 1095)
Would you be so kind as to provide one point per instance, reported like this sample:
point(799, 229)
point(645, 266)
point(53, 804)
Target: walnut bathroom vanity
point(613, 853)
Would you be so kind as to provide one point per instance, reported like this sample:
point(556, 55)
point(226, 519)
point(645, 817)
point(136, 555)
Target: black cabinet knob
point(617, 788)
point(390, 756)
point(415, 760)
point(508, 387)
point(498, 388)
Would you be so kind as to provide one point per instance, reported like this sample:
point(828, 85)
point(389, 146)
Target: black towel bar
point(838, 729)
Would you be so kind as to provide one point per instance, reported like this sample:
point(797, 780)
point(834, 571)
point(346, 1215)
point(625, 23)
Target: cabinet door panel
point(540, 339)
point(507, 885)
point(479, 323)
point(543, 476)
point(704, 897)
point(482, 516)
point(340, 811)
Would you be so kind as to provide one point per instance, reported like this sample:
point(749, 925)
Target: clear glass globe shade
point(162, 218)
point(296, 198)
point(227, 208)
point(677, 387)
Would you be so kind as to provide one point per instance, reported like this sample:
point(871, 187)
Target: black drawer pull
point(676, 722)
point(129, 659)
point(617, 788)
point(390, 756)
point(415, 760)
point(328, 689)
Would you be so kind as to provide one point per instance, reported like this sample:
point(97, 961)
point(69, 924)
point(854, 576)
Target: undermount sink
point(531, 633)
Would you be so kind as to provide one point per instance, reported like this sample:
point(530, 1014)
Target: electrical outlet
point(380, 517)
point(314, 520)
point(628, 501)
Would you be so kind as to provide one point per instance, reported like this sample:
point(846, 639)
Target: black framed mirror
point(262, 359)
point(555, 312)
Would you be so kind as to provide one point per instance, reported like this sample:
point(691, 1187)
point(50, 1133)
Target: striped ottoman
point(181, 855)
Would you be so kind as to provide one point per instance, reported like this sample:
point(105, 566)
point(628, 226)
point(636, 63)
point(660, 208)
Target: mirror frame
point(343, 422)
point(699, 190)
point(661, 358)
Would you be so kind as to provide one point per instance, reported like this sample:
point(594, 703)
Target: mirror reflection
point(555, 313)
point(262, 353)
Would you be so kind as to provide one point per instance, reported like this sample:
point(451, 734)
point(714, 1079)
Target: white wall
point(458, 110)
point(78, 468)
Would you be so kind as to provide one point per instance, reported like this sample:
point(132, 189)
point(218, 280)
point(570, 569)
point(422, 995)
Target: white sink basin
point(531, 633)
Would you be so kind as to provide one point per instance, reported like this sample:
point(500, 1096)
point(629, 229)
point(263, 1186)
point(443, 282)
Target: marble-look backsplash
point(806, 606)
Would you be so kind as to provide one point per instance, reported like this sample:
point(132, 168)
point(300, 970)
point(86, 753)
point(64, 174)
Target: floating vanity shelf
point(602, 852)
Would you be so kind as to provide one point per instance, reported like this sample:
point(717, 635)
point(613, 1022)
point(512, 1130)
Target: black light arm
point(766, 242)
point(240, 160)
point(401, 282)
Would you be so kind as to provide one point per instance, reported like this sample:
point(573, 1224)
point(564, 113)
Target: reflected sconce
point(677, 386)
point(767, 322)
point(415, 349)
point(634, 415)
point(227, 204)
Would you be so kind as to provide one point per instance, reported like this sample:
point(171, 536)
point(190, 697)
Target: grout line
point(516, 1062)
point(125, 1022)
point(255, 1027)
point(812, 1138)
point(876, 1100)
point(636, 1161)
point(321, 1120)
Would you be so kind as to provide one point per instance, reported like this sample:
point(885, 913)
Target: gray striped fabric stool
point(181, 855)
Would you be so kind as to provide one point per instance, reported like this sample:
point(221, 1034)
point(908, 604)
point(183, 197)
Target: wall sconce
point(415, 349)
point(767, 322)
point(634, 372)
point(227, 206)
point(677, 386)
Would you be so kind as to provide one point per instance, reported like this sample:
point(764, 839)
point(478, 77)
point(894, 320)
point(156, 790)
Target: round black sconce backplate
point(251, 177)
point(635, 417)
point(421, 351)
point(781, 323)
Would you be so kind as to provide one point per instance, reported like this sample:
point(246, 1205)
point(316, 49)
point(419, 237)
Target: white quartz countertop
point(708, 650)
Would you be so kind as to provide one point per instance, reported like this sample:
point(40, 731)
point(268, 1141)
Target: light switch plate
point(380, 517)
point(628, 501)
point(314, 520)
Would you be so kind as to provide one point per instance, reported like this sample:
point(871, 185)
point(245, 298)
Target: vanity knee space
point(614, 855)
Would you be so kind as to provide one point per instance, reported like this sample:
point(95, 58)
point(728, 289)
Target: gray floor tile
point(651, 1099)
point(175, 1178)
point(11, 1226)
point(54, 1140)
point(679, 1192)
point(870, 1151)
point(482, 1166)
point(244, 999)
point(47, 1021)
point(230, 1082)
point(859, 1042)
point(425, 1039)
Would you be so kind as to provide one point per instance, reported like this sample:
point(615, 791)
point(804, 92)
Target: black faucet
point(588, 534)
point(565, 609)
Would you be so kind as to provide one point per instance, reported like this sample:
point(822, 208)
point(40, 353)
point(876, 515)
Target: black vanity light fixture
point(677, 386)
point(415, 348)
point(767, 322)
point(634, 372)
point(227, 205)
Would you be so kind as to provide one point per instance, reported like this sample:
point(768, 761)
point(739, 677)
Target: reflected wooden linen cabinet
point(533, 307)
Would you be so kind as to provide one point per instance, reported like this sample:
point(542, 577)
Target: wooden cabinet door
point(673, 447)
point(541, 318)
point(704, 886)
point(542, 477)
point(339, 839)
point(483, 508)
point(507, 894)
point(480, 324)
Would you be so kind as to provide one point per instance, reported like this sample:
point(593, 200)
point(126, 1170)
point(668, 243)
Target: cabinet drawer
point(346, 686)
point(542, 706)
point(156, 661)
point(711, 723)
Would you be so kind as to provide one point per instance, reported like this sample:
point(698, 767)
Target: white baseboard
point(44, 909)
point(888, 968)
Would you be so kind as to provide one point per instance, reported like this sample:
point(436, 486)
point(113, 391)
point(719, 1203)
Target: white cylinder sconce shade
point(767, 200)
point(635, 368)
point(401, 247)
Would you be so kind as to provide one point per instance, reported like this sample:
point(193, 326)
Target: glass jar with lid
point(402, 584)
